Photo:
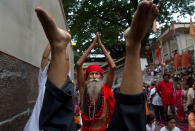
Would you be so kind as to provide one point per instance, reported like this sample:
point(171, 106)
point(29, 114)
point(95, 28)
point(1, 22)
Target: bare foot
point(143, 18)
point(55, 35)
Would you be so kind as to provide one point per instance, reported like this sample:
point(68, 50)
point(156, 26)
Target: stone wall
point(18, 92)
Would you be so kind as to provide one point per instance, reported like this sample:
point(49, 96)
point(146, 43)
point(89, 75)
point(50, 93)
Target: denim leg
point(156, 111)
point(162, 113)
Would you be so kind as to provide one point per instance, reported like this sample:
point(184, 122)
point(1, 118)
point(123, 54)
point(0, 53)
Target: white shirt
point(150, 128)
point(33, 122)
point(165, 129)
point(156, 100)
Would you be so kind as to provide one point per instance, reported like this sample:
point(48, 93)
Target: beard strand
point(94, 87)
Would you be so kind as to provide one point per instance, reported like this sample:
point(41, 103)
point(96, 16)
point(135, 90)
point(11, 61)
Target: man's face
point(94, 84)
point(185, 77)
point(166, 78)
point(171, 124)
point(94, 75)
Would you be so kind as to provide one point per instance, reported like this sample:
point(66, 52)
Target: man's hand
point(99, 40)
point(94, 43)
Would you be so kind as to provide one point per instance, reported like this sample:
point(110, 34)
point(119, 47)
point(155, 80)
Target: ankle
point(58, 46)
point(132, 46)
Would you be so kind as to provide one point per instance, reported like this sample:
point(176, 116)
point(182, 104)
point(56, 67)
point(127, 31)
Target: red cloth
point(180, 111)
point(89, 129)
point(109, 99)
point(158, 52)
point(166, 93)
point(93, 67)
point(194, 86)
point(157, 56)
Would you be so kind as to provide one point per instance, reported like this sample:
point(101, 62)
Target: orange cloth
point(191, 32)
point(177, 61)
point(191, 122)
point(109, 99)
point(76, 120)
point(147, 111)
point(185, 59)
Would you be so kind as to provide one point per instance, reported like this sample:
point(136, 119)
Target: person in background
point(191, 117)
point(166, 90)
point(33, 122)
point(157, 104)
point(150, 124)
point(187, 96)
point(146, 95)
point(170, 124)
point(180, 114)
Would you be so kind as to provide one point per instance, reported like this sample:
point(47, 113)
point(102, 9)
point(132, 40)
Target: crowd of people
point(171, 98)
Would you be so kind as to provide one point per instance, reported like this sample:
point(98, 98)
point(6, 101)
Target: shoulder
point(161, 83)
point(191, 90)
point(147, 127)
point(176, 129)
point(153, 91)
point(170, 82)
point(105, 86)
point(163, 129)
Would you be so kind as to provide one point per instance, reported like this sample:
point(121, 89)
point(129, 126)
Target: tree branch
point(125, 16)
point(135, 3)
point(155, 1)
point(110, 20)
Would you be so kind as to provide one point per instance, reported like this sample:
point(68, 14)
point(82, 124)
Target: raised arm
point(45, 57)
point(79, 64)
point(111, 72)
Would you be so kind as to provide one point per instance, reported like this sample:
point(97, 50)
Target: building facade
point(176, 49)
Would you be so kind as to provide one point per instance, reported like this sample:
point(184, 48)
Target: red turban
point(93, 67)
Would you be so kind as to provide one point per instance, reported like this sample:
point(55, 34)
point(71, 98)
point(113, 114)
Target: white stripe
point(14, 117)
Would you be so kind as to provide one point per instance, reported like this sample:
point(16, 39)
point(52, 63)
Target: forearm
point(110, 76)
point(108, 57)
point(84, 56)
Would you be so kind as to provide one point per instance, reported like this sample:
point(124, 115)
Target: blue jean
point(159, 113)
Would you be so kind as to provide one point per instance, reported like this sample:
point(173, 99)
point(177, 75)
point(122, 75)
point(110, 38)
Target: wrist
point(101, 46)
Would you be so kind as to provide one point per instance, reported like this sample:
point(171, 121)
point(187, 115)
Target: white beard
point(94, 87)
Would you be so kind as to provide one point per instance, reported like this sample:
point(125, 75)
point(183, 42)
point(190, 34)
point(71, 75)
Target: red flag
point(177, 61)
point(157, 56)
point(158, 52)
